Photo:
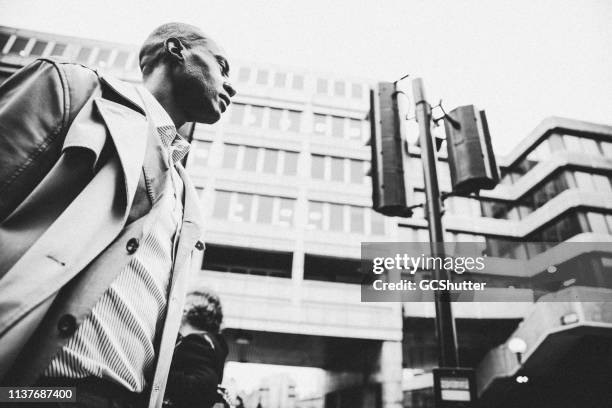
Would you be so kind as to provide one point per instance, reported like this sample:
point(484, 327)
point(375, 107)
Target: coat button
point(66, 325)
point(199, 246)
point(132, 245)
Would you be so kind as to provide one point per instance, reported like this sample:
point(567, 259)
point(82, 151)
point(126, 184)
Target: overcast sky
point(520, 60)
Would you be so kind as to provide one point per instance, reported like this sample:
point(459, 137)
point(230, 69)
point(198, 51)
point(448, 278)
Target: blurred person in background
point(199, 356)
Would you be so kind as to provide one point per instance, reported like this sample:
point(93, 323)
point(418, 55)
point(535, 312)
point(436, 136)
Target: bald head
point(152, 51)
point(187, 72)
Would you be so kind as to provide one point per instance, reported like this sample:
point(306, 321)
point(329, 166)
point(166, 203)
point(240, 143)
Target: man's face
point(201, 83)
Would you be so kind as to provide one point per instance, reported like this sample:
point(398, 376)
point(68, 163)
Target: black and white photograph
point(305, 204)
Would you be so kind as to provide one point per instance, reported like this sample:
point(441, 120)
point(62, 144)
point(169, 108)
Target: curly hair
point(204, 311)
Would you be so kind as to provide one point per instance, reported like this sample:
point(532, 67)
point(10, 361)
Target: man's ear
point(175, 48)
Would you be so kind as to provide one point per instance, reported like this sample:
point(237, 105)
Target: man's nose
point(229, 89)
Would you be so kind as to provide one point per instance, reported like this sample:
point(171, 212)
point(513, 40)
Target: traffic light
point(390, 192)
point(470, 155)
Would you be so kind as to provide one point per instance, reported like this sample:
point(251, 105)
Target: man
point(98, 218)
point(199, 356)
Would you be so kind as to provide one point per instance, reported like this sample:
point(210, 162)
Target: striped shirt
point(116, 341)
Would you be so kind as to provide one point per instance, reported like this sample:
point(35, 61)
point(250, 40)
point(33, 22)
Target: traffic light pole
point(445, 324)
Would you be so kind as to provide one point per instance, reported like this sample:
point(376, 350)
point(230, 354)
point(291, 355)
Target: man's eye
point(224, 67)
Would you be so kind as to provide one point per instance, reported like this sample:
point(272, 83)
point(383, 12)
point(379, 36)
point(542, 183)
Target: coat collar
point(125, 90)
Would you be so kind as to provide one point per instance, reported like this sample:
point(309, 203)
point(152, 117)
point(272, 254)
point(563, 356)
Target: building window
point(597, 223)
point(317, 167)
point(339, 88)
point(58, 50)
point(102, 57)
point(294, 118)
point(280, 79)
point(3, 40)
point(357, 91)
point(120, 60)
point(244, 74)
point(337, 127)
point(39, 48)
point(265, 208)
point(247, 261)
point(337, 169)
point(330, 269)
point(355, 131)
point(19, 45)
point(357, 222)
point(275, 119)
point(240, 208)
point(237, 114)
point(249, 162)
point(290, 163)
point(606, 148)
point(315, 215)
point(270, 161)
point(286, 212)
point(377, 223)
point(83, 55)
point(322, 86)
point(255, 116)
point(298, 82)
point(222, 203)
point(201, 152)
point(320, 124)
point(262, 77)
point(336, 217)
point(357, 171)
point(230, 156)
point(589, 146)
point(572, 143)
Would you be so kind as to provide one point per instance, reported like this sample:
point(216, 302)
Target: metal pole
point(445, 324)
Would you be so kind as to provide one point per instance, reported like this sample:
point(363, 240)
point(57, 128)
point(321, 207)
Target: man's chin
point(209, 118)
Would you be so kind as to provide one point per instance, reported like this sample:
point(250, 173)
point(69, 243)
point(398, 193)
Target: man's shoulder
point(69, 72)
point(79, 78)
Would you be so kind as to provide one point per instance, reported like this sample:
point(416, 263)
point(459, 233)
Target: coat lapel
point(192, 221)
point(128, 130)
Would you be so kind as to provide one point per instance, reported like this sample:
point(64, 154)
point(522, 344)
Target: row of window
point(338, 169)
point(585, 270)
point(280, 79)
point(282, 162)
point(533, 199)
point(267, 117)
point(259, 159)
point(280, 211)
point(344, 218)
point(554, 143)
point(87, 55)
point(254, 208)
point(558, 230)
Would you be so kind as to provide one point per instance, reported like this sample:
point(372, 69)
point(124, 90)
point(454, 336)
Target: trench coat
point(81, 168)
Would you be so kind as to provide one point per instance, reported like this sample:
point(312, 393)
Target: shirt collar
point(177, 146)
